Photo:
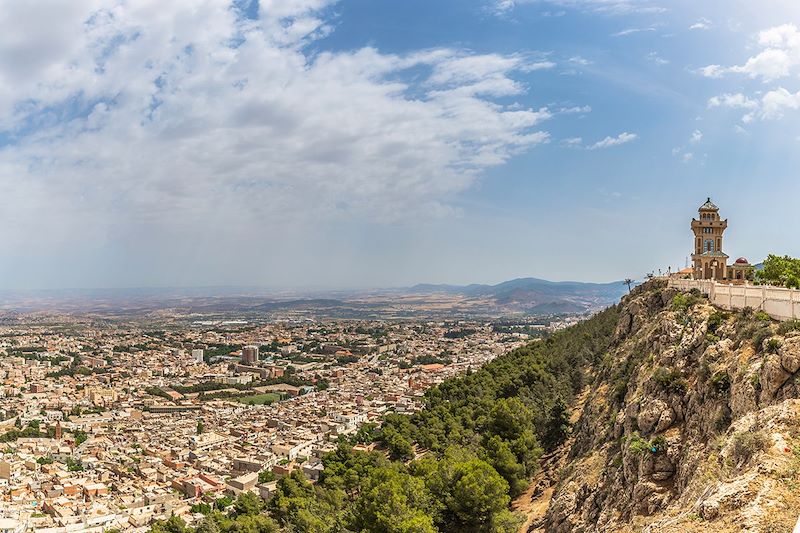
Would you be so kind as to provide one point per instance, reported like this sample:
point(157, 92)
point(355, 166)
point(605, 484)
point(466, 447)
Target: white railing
point(777, 302)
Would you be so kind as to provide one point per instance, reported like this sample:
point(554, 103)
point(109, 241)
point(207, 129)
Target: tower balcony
point(709, 223)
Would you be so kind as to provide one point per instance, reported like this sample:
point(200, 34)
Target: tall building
point(710, 262)
point(708, 259)
point(197, 355)
point(249, 355)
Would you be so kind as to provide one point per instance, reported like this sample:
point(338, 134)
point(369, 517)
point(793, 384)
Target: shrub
point(755, 381)
point(723, 420)
point(746, 444)
point(715, 320)
point(680, 303)
point(637, 444)
point(659, 444)
point(763, 317)
point(789, 325)
point(773, 345)
point(721, 382)
point(670, 380)
point(760, 336)
point(620, 390)
point(684, 301)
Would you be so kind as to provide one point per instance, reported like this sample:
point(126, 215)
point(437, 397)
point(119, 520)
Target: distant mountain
point(519, 296)
point(536, 295)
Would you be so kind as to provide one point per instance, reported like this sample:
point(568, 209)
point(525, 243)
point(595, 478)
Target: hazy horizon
point(356, 144)
point(288, 288)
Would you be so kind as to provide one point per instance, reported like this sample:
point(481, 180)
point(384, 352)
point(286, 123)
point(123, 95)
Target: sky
point(378, 143)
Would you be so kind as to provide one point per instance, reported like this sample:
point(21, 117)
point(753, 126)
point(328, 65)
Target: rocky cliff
point(692, 424)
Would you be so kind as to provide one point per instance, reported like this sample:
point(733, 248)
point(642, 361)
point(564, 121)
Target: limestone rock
point(772, 378)
point(652, 414)
point(790, 354)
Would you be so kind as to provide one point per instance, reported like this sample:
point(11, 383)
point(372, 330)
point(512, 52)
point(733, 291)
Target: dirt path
point(533, 503)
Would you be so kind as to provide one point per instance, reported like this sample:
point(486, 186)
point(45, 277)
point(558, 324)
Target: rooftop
point(709, 206)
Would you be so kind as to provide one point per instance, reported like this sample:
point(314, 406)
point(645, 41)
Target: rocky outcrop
point(692, 424)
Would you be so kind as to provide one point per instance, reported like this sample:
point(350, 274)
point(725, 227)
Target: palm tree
point(628, 282)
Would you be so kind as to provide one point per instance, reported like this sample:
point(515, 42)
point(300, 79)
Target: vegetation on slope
point(509, 409)
point(455, 465)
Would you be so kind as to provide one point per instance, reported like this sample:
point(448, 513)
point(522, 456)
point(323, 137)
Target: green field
point(259, 399)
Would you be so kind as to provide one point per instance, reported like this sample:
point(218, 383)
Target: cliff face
point(692, 424)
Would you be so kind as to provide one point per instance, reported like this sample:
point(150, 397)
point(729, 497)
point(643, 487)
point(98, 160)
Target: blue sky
point(380, 143)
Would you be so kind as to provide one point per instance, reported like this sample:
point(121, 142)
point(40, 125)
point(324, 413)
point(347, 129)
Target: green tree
point(558, 425)
point(300, 506)
point(80, 437)
point(247, 504)
point(497, 452)
point(393, 502)
point(265, 476)
point(781, 271)
point(509, 418)
point(223, 502)
point(399, 446)
point(174, 524)
point(258, 523)
point(472, 496)
point(208, 525)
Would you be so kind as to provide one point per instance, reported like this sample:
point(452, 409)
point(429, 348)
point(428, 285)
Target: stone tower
point(710, 262)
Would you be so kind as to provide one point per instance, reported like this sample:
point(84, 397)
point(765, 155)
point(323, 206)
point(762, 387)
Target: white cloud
point(779, 57)
point(771, 105)
point(608, 142)
point(712, 71)
point(611, 7)
point(580, 61)
point(701, 24)
point(658, 60)
point(775, 103)
point(696, 137)
point(736, 101)
point(126, 123)
point(631, 31)
point(576, 110)
point(572, 142)
point(538, 65)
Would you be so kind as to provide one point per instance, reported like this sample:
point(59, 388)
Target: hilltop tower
point(709, 261)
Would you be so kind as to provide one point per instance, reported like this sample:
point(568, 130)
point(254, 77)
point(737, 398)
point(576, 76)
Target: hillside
point(659, 414)
point(692, 423)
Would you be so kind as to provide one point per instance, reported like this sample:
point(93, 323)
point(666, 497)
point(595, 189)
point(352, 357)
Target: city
point(108, 425)
point(399, 266)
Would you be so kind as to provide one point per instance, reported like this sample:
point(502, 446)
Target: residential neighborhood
point(113, 425)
